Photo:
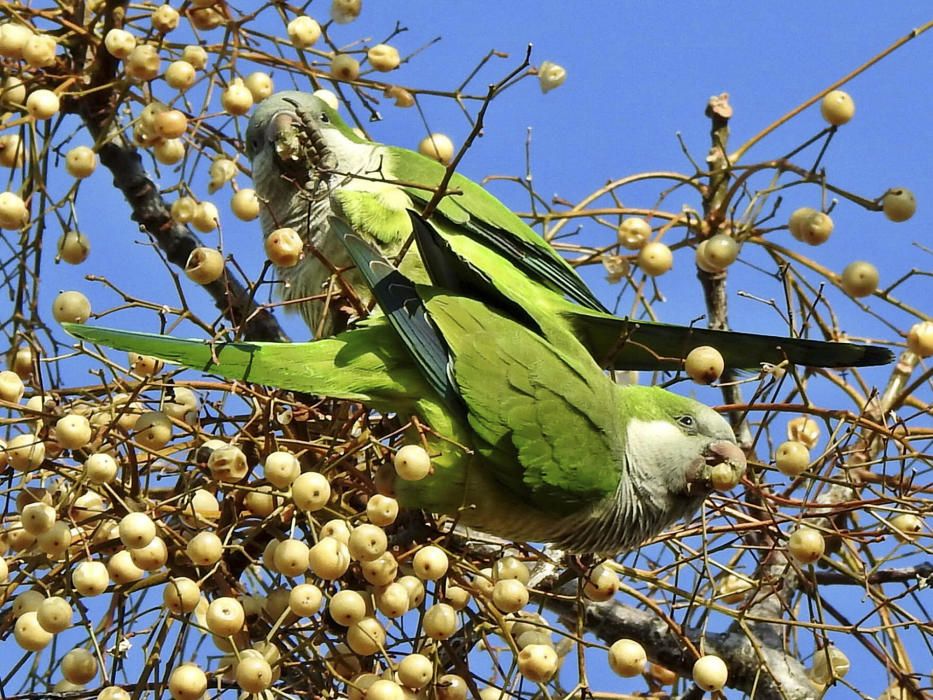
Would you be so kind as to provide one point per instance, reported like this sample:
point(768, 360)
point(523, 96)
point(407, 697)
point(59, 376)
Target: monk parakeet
point(308, 165)
point(530, 439)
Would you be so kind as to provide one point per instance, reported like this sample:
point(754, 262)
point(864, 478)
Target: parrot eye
point(688, 422)
point(324, 118)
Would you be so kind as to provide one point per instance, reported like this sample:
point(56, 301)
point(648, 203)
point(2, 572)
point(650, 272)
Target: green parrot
point(309, 166)
point(530, 438)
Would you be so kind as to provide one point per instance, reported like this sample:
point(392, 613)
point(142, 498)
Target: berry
point(907, 526)
point(73, 431)
point(438, 147)
point(225, 616)
point(303, 31)
point(634, 232)
point(550, 76)
point(71, 307)
point(415, 671)
point(260, 85)
point(284, 247)
point(205, 265)
point(627, 658)
point(710, 672)
point(704, 364)
point(143, 63)
point(899, 204)
point(119, 43)
point(13, 211)
point(237, 99)
point(430, 563)
point(310, 491)
point(80, 161)
point(806, 545)
point(655, 258)
point(792, 457)
point(180, 75)
point(345, 67)
point(860, 279)
point(920, 338)
point(90, 578)
point(383, 57)
point(538, 662)
point(181, 595)
point(412, 463)
point(187, 682)
point(837, 107)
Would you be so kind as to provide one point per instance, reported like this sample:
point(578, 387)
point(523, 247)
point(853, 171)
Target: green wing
point(483, 217)
point(548, 425)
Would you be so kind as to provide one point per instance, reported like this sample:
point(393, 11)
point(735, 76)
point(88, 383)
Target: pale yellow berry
point(415, 588)
point(303, 31)
point(37, 518)
point(391, 600)
point(347, 607)
point(828, 664)
point(195, 55)
point(367, 542)
point(39, 50)
point(634, 233)
point(732, 588)
point(284, 247)
point(384, 690)
point(452, 687)
point(281, 469)
point(899, 204)
point(137, 529)
point(720, 251)
point(143, 63)
point(259, 85)
point(206, 217)
point(550, 76)
point(345, 67)
point(655, 258)
point(510, 595)
point(29, 634)
point(169, 152)
point(338, 529)
point(153, 430)
point(920, 338)
point(80, 161)
point(415, 671)
point(73, 431)
point(72, 307)
point(13, 38)
point(383, 57)
point(291, 557)
point(438, 147)
point(113, 692)
point(180, 75)
point(440, 621)
point(245, 204)
point(54, 614)
point(402, 97)
point(151, 557)
point(412, 463)
point(430, 563)
point(79, 666)
point(205, 548)
point(73, 247)
point(310, 491)
point(816, 228)
point(12, 153)
point(119, 43)
point(837, 107)
point(225, 616)
point(254, 674)
point(12, 97)
point(457, 597)
point(206, 18)
point(906, 526)
point(164, 18)
point(237, 99)
point(792, 457)
point(25, 451)
point(187, 682)
point(90, 578)
point(329, 558)
point(806, 545)
point(170, 124)
point(13, 211)
point(710, 672)
point(602, 584)
point(183, 209)
point(538, 662)
point(804, 429)
point(205, 265)
point(345, 11)
point(510, 568)
point(11, 386)
point(181, 595)
point(860, 279)
point(797, 219)
point(704, 364)
point(305, 599)
point(366, 637)
point(381, 510)
point(27, 601)
point(380, 571)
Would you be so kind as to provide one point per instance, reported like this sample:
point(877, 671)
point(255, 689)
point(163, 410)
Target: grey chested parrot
point(309, 166)
point(529, 437)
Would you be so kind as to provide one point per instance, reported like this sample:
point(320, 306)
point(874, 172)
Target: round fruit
point(90, 578)
point(804, 429)
point(381, 510)
point(253, 674)
point(187, 682)
point(25, 451)
point(792, 457)
point(12, 154)
point(151, 557)
point(440, 621)
point(720, 251)
point(837, 107)
point(11, 386)
point(311, 491)
point(284, 247)
point(79, 666)
point(303, 31)
point(205, 265)
point(181, 595)
point(73, 431)
point(225, 616)
point(437, 146)
point(538, 662)
point(305, 599)
point(169, 152)
point(899, 204)
point(383, 57)
point(412, 463)
point(206, 217)
point(655, 258)
point(907, 526)
point(171, 124)
point(828, 664)
point(54, 614)
point(860, 279)
point(291, 557)
point(245, 204)
point(137, 529)
point(80, 161)
point(550, 76)
point(329, 558)
point(920, 338)
point(29, 634)
point(366, 637)
point(797, 220)
point(627, 658)
point(384, 690)
point(39, 50)
point(510, 595)
point(237, 99)
point(602, 584)
point(634, 232)
point(806, 545)
point(13, 211)
point(37, 518)
point(415, 671)
point(704, 364)
point(205, 548)
point(143, 62)
point(73, 247)
point(816, 228)
point(347, 607)
point(281, 469)
point(164, 18)
point(367, 542)
point(710, 672)
point(13, 38)
point(72, 307)
point(391, 600)
point(180, 75)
